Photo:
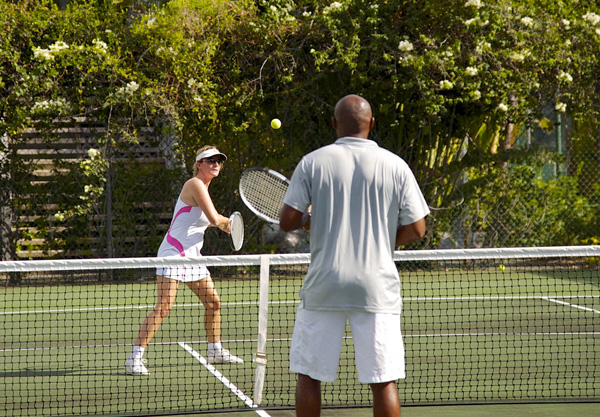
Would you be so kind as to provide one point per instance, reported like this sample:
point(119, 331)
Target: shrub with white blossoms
point(560, 107)
point(446, 85)
point(475, 95)
point(58, 46)
point(405, 46)
point(472, 71)
point(42, 54)
point(94, 172)
point(565, 76)
point(518, 56)
point(333, 6)
point(48, 54)
point(100, 46)
point(127, 90)
point(593, 18)
point(58, 105)
point(527, 21)
point(93, 153)
point(474, 3)
point(502, 107)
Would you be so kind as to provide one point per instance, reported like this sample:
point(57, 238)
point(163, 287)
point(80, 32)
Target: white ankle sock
point(138, 352)
point(213, 347)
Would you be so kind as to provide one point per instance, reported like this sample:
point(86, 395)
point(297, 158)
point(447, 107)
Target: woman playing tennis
point(194, 212)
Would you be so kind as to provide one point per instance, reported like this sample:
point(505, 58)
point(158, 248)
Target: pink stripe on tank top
point(177, 244)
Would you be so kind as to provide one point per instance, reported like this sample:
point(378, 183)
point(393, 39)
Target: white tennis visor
point(211, 152)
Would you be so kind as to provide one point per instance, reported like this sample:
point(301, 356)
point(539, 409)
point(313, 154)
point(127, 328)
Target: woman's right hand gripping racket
point(262, 190)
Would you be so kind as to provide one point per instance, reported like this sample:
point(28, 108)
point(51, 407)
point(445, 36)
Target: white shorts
point(184, 273)
point(378, 345)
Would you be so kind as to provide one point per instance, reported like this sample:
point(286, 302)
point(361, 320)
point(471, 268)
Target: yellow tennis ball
point(501, 267)
point(275, 123)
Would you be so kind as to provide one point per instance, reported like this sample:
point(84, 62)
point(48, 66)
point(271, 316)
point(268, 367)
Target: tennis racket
point(262, 190)
point(236, 221)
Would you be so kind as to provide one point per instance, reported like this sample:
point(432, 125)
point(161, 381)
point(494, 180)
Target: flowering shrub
point(453, 86)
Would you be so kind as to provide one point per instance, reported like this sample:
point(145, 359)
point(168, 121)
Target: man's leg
point(385, 399)
point(308, 397)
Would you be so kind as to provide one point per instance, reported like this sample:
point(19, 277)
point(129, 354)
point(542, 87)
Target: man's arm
point(292, 219)
point(410, 232)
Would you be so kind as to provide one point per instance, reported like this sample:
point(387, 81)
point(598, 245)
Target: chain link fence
point(59, 200)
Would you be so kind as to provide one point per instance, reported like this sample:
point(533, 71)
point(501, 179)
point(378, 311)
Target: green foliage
point(451, 84)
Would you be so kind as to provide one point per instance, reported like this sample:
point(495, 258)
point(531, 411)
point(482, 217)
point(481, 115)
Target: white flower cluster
point(128, 90)
point(333, 6)
point(48, 54)
point(42, 54)
point(503, 107)
point(519, 56)
point(476, 21)
point(59, 105)
point(472, 71)
point(565, 76)
point(593, 18)
point(482, 46)
point(560, 107)
point(475, 95)
point(405, 46)
point(527, 21)
point(58, 46)
point(194, 83)
point(100, 46)
point(446, 85)
point(163, 52)
point(93, 153)
point(474, 3)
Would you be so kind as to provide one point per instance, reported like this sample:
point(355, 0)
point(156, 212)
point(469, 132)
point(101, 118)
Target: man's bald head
point(353, 117)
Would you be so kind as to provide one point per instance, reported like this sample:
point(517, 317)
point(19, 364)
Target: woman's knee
point(214, 304)
point(163, 309)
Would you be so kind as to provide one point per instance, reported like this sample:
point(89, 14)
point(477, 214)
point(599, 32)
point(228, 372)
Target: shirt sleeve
point(298, 192)
point(413, 206)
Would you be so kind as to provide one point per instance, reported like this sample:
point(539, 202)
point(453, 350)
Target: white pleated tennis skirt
point(184, 273)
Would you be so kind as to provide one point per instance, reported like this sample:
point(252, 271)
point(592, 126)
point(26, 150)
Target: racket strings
point(237, 231)
point(264, 192)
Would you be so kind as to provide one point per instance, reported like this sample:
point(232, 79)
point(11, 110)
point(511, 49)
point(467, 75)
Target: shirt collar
point(349, 140)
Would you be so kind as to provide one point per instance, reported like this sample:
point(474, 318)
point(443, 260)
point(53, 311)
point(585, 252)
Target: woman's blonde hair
point(202, 149)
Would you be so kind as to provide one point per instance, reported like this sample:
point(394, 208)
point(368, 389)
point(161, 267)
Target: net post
point(260, 357)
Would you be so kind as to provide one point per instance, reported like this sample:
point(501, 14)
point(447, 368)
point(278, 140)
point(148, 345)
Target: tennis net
point(480, 326)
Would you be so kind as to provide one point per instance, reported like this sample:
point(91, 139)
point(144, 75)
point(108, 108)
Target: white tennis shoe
point(136, 366)
point(223, 356)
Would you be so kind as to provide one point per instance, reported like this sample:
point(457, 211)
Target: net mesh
point(480, 326)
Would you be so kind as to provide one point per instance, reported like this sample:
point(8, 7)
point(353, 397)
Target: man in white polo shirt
point(364, 202)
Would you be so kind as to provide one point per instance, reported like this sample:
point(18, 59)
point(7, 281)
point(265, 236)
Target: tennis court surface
point(481, 326)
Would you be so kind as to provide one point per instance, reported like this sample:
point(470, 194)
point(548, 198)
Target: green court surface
point(493, 410)
point(472, 335)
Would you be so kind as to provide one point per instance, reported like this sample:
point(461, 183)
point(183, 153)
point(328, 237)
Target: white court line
point(69, 310)
point(287, 339)
point(571, 305)
point(223, 379)
point(405, 299)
